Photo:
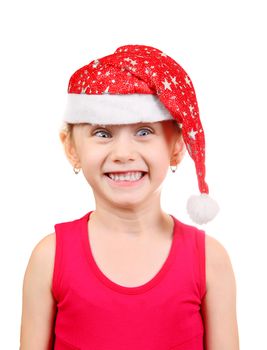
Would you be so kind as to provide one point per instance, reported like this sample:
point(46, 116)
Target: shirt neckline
point(115, 286)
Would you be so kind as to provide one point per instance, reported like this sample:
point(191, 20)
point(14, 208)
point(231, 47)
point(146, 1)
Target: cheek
point(159, 163)
point(91, 161)
point(90, 154)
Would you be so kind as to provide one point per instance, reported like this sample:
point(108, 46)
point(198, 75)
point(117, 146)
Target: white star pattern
point(96, 63)
point(166, 85)
point(106, 91)
point(192, 134)
point(188, 81)
point(174, 81)
point(191, 108)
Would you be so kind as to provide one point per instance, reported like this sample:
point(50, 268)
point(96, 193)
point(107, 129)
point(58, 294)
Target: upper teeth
point(126, 176)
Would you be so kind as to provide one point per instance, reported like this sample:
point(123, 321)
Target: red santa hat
point(139, 83)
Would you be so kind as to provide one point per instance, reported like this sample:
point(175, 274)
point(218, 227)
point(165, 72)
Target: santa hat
point(140, 83)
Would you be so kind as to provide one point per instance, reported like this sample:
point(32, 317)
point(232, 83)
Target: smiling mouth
point(126, 176)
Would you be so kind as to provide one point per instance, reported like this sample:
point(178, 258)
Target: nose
point(123, 149)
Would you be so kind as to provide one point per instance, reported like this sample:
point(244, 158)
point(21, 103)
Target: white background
point(222, 46)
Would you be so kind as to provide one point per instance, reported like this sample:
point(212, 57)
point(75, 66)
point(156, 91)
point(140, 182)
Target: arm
point(219, 303)
point(38, 304)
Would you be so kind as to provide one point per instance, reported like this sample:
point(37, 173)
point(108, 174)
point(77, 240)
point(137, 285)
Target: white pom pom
point(202, 208)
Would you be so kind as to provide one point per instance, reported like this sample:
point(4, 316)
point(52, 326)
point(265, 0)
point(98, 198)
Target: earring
point(76, 170)
point(173, 168)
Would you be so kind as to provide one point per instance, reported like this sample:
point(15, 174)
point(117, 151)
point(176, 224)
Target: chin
point(127, 204)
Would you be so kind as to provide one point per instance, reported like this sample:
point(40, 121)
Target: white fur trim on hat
point(114, 109)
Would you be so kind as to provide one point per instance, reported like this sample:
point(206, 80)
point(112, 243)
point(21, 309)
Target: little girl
point(127, 275)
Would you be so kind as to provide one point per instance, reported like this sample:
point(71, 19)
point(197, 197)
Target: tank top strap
point(68, 255)
point(200, 240)
point(191, 252)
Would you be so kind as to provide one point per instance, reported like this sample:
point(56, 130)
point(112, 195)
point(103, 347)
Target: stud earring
point(76, 170)
point(173, 168)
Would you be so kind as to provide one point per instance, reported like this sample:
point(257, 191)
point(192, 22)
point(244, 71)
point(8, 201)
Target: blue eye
point(101, 131)
point(150, 131)
point(104, 132)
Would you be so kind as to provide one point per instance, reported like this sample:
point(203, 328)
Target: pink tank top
point(95, 313)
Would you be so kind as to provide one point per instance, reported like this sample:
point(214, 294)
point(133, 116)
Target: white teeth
point(127, 176)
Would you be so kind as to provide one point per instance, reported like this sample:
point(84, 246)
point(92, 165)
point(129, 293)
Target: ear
point(178, 151)
point(70, 149)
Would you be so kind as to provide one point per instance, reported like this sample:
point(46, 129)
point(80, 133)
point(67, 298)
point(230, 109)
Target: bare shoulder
point(219, 302)
point(48, 241)
point(217, 257)
point(44, 251)
point(38, 304)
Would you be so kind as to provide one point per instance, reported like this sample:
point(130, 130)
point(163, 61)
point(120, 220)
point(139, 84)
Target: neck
point(133, 223)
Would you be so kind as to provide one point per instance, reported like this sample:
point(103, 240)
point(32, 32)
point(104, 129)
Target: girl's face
point(101, 150)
